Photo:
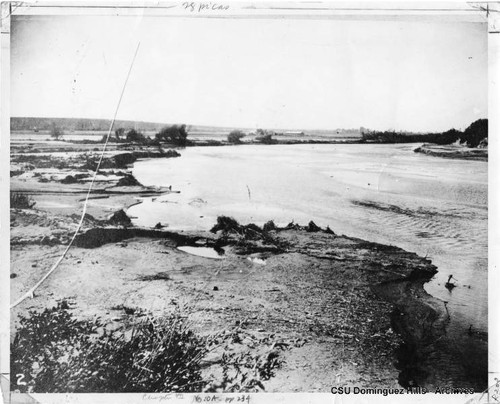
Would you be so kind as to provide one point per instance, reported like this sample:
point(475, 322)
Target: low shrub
point(15, 173)
point(128, 180)
point(21, 201)
point(175, 134)
point(246, 371)
point(123, 159)
point(91, 162)
point(56, 132)
point(266, 138)
point(248, 238)
point(160, 276)
point(52, 352)
point(57, 353)
point(69, 179)
point(226, 224)
point(120, 218)
point(235, 136)
point(135, 136)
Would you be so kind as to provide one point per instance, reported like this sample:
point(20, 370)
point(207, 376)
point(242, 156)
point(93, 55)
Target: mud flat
point(454, 152)
point(58, 179)
point(346, 312)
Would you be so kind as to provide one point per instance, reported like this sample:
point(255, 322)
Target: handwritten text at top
point(194, 6)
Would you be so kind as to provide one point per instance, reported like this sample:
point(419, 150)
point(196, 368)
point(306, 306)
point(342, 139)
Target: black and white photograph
point(221, 199)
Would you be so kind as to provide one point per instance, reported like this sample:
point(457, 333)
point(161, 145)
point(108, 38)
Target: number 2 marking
point(20, 377)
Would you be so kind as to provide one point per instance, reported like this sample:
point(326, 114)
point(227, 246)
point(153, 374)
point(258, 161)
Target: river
point(384, 193)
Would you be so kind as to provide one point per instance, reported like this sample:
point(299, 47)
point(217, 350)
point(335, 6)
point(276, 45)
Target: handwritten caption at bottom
point(222, 398)
point(199, 398)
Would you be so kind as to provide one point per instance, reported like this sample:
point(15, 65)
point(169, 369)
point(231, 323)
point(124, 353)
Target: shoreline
point(453, 152)
point(308, 267)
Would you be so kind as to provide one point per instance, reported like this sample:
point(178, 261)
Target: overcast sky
point(281, 73)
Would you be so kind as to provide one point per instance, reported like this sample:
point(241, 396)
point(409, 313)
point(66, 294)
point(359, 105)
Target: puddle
point(201, 252)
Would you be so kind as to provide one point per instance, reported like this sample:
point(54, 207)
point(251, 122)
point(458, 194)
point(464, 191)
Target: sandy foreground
point(343, 311)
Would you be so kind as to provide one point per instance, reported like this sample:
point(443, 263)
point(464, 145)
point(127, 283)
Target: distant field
point(29, 135)
point(77, 135)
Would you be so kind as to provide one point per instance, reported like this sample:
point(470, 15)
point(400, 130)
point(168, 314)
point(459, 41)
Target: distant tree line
point(263, 136)
point(77, 124)
point(476, 134)
point(175, 135)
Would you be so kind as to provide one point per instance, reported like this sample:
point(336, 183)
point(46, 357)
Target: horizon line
point(236, 126)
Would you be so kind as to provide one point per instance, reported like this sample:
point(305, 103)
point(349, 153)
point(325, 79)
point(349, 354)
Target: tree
point(448, 137)
point(475, 133)
point(134, 136)
point(56, 132)
point(264, 136)
point(235, 136)
point(175, 134)
point(119, 133)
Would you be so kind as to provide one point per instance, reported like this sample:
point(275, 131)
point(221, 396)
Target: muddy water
point(384, 193)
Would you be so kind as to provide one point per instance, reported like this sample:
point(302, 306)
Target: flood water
point(384, 193)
